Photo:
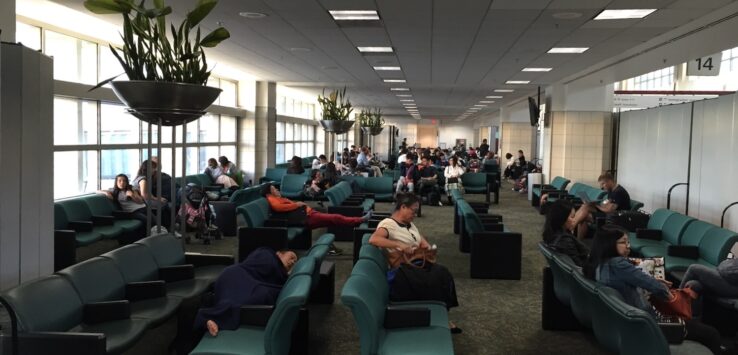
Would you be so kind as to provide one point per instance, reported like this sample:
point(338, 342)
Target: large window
point(82, 164)
point(294, 139)
point(295, 108)
point(662, 79)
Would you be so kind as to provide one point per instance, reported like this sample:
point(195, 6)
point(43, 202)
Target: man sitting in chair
point(428, 178)
point(617, 199)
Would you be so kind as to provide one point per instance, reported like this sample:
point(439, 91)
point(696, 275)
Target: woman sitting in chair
point(398, 234)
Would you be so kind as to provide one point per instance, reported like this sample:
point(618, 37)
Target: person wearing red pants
point(315, 219)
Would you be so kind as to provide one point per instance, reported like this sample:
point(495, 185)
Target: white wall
point(714, 171)
point(653, 155)
point(448, 132)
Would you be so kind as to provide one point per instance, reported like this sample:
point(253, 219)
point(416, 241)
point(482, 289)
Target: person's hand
point(300, 204)
point(666, 283)
point(163, 200)
point(424, 244)
point(212, 327)
point(129, 193)
point(408, 250)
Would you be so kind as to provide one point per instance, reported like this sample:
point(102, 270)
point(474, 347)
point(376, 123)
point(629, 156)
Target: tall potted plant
point(336, 109)
point(371, 121)
point(166, 78)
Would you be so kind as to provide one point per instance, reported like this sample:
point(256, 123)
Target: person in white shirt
point(403, 156)
point(319, 162)
point(453, 173)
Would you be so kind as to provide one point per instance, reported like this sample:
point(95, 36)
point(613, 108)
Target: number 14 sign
point(705, 66)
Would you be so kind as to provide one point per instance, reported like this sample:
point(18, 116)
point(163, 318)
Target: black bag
point(630, 220)
point(452, 180)
point(433, 198)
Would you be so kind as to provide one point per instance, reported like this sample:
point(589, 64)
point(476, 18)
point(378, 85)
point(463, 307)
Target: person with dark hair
point(126, 199)
point(140, 184)
point(617, 199)
point(312, 188)
point(320, 162)
point(315, 219)
point(255, 281)
point(608, 264)
point(408, 175)
point(508, 166)
point(166, 183)
point(483, 148)
point(428, 178)
point(557, 232)
point(295, 166)
point(403, 155)
point(398, 234)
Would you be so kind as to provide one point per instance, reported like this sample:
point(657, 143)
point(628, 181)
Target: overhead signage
point(629, 102)
point(705, 66)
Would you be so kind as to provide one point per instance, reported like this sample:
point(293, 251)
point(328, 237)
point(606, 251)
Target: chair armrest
point(256, 315)
point(143, 290)
point(52, 342)
point(683, 251)
point(198, 259)
point(348, 211)
point(348, 202)
point(362, 195)
point(100, 312)
point(652, 234)
point(80, 226)
point(395, 317)
point(490, 218)
point(373, 223)
point(65, 249)
point(276, 223)
point(249, 239)
point(493, 227)
point(176, 273)
point(103, 220)
point(118, 214)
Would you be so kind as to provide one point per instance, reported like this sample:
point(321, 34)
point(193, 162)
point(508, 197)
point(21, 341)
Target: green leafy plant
point(336, 106)
point(371, 118)
point(148, 53)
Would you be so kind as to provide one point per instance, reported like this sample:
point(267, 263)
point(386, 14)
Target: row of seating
point(683, 241)
point(281, 328)
point(105, 305)
point(307, 163)
point(84, 220)
point(557, 190)
point(494, 251)
point(571, 299)
point(392, 328)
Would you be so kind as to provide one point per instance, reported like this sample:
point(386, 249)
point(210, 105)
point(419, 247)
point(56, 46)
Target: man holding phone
point(617, 199)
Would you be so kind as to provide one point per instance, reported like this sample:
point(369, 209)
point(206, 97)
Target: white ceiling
point(453, 53)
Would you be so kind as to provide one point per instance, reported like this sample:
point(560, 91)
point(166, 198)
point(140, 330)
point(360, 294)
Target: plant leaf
point(102, 7)
point(203, 9)
point(100, 84)
point(213, 38)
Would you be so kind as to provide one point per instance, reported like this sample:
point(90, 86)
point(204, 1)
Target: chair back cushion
point(275, 174)
point(658, 218)
point(474, 180)
point(96, 280)
point(674, 228)
point(695, 232)
point(378, 185)
point(367, 305)
point(60, 217)
point(292, 185)
point(49, 303)
point(76, 210)
point(360, 180)
point(99, 205)
point(715, 246)
point(135, 262)
point(560, 182)
point(293, 295)
point(255, 212)
point(166, 249)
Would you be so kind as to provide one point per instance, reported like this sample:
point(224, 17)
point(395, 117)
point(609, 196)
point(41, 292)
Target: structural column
point(7, 21)
point(265, 127)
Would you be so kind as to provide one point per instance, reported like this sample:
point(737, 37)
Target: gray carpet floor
point(497, 316)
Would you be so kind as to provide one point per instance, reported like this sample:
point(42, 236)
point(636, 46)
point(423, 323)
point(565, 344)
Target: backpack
point(433, 198)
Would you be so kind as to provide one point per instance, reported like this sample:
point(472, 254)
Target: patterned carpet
point(497, 316)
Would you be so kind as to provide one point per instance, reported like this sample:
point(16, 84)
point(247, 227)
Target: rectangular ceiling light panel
point(375, 49)
point(387, 68)
point(537, 69)
point(354, 15)
point(504, 90)
point(518, 82)
point(399, 89)
point(394, 80)
point(623, 14)
point(567, 50)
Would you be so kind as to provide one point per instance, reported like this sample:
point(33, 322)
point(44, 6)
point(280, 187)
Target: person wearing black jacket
point(295, 166)
point(557, 232)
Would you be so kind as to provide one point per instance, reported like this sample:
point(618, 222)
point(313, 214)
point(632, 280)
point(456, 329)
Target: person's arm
point(107, 194)
point(448, 172)
point(380, 239)
point(142, 187)
point(636, 277)
point(283, 205)
point(135, 196)
point(607, 206)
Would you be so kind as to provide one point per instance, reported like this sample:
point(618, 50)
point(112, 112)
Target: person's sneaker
point(335, 251)
point(440, 203)
point(368, 215)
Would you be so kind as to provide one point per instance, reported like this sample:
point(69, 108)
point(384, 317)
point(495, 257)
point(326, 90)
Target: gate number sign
point(705, 66)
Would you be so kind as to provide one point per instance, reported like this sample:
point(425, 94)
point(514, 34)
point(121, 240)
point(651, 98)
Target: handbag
point(419, 258)
point(452, 180)
point(680, 305)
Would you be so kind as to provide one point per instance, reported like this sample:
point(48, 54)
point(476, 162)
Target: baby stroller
point(196, 213)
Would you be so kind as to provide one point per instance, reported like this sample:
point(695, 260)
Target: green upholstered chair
point(270, 339)
point(99, 280)
point(558, 184)
point(360, 180)
point(84, 233)
point(101, 206)
point(262, 230)
point(713, 248)
point(370, 252)
point(273, 175)
point(657, 221)
point(691, 236)
point(243, 196)
point(476, 183)
point(583, 299)
point(635, 205)
point(381, 187)
point(291, 186)
point(168, 252)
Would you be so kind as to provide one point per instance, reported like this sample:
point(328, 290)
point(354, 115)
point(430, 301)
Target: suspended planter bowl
point(174, 103)
point(372, 130)
point(336, 126)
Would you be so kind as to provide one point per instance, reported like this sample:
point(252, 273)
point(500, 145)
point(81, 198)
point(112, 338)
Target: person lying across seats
point(558, 229)
point(255, 281)
point(608, 264)
point(398, 234)
point(617, 199)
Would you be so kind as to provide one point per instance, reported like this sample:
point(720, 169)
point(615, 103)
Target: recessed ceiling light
point(566, 15)
point(394, 80)
point(621, 14)
point(300, 49)
point(504, 90)
point(404, 95)
point(517, 82)
point(486, 102)
point(354, 15)
point(252, 15)
point(375, 49)
point(537, 69)
point(399, 89)
point(493, 97)
point(568, 50)
point(409, 105)
point(480, 105)
point(387, 68)
point(406, 100)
